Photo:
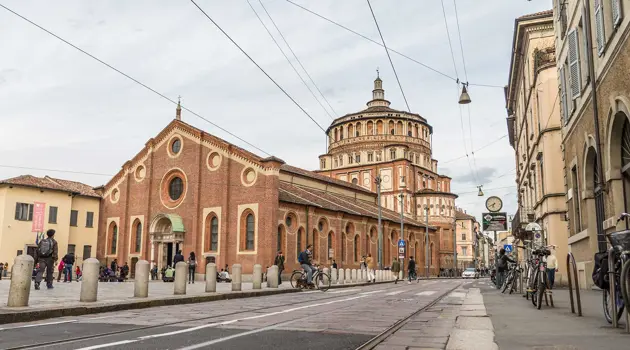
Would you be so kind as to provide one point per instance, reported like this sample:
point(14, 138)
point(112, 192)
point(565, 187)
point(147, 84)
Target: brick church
point(191, 191)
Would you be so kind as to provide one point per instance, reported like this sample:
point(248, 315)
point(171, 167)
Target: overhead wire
point(388, 56)
point(257, 65)
point(134, 80)
point(296, 58)
point(477, 150)
point(289, 60)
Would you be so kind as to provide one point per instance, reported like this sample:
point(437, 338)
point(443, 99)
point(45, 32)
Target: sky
point(62, 110)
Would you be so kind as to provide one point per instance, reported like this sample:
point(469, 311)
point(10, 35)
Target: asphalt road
point(337, 319)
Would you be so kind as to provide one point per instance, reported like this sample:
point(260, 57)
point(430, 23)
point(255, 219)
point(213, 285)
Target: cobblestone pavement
point(337, 319)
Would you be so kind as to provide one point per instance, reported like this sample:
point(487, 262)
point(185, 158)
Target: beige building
point(71, 209)
point(595, 127)
point(466, 227)
point(535, 133)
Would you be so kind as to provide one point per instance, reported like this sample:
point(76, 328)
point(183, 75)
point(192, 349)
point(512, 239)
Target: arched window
point(336, 135)
point(330, 245)
point(350, 130)
point(214, 234)
point(299, 242)
point(358, 130)
point(343, 247)
point(625, 162)
point(391, 127)
point(340, 133)
point(315, 244)
point(366, 247)
point(392, 153)
point(399, 128)
point(409, 129)
point(416, 133)
point(113, 229)
point(280, 238)
point(370, 128)
point(379, 127)
point(138, 237)
point(248, 231)
point(356, 248)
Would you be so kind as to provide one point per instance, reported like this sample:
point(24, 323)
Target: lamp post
point(401, 196)
point(379, 249)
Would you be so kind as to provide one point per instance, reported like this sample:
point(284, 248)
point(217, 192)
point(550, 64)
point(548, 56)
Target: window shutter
point(587, 55)
point(17, 211)
point(30, 212)
point(616, 12)
point(599, 26)
point(574, 64)
point(563, 96)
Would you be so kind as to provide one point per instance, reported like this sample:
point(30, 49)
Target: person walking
point(6, 268)
point(552, 268)
point(370, 268)
point(46, 256)
point(279, 261)
point(411, 269)
point(1, 270)
point(502, 267)
point(60, 271)
point(192, 266)
point(396, 269)
point(68, 261)
point(114, 266)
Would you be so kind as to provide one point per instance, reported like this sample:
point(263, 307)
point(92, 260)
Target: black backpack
point(600, 271)
point(501, 264)
point(45, 249)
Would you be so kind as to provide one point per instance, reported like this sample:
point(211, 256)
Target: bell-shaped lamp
point(480, 194)
point(464, 98)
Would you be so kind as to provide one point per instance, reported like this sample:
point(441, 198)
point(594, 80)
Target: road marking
point(457, 295)
point(372, 292)
point(187, 330)
point(344, 291)
point(427, 292)
point(396, 292)
point(37, 324)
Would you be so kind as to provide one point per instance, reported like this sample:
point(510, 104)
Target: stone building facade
point(610, 57)
point(534, 128)
point(188, 190)
point(466, 227)
point(394, 146)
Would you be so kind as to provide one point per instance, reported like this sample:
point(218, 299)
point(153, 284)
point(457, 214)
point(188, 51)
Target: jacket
point(412, 265)
point(370, 262)
point(304, 258)
point(68, 259)
point(502, 262)
point(279, 261)
point(177, 258)
point(396, 266)
point(55, 253)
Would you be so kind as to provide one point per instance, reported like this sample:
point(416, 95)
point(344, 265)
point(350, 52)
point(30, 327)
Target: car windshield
point(470, 269)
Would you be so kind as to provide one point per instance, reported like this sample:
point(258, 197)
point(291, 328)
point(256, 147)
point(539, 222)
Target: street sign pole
point(402, 220)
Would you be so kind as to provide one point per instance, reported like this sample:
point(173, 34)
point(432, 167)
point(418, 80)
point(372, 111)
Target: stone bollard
point(333, 275)
point(89, 285)
point(257, 278)
point(272, 276)
point(341, 279)
point(348, 276)
point(181, 271)
point(379, 275)
point(21, 273)
point(326, 274)
point(141, 284)
point(211, 278)
point(354, 275)
point(363, 275)
point(236, 277)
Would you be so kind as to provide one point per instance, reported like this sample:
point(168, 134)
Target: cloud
point(482, 175)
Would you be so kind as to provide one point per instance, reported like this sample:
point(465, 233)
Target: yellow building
point(71, 209)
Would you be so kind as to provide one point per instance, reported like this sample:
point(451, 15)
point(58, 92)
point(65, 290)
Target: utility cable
point(477, 150)
point(134, 80)
point(257, 65)
point(450, 44)
point(296, 58)
point(388, 56)
point(288, 60)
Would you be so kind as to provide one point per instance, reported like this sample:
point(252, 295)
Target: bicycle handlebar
point(623, 216)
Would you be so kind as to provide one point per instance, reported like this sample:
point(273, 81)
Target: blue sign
point(508, 248)
point(401, 243)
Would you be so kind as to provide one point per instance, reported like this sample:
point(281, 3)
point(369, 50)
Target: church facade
point(191, 191)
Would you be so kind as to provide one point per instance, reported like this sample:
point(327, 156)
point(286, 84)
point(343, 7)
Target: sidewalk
point(519, 325)
point(63, 300)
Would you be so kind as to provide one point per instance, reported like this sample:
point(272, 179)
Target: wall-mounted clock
point(494, 204)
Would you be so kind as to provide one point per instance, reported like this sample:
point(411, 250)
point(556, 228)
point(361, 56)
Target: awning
point(176, 222)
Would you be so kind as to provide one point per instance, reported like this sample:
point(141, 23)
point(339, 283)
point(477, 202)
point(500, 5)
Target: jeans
point(309, 273)
point(67, 271)
point(412, 275)
point(280, 275)
point(500, 278)
point(191, 273)
point(47, 264)
point(551, 276)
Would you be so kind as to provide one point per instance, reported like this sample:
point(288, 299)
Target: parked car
point(470, 273)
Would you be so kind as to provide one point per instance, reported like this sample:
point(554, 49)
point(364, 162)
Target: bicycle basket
point(620, 239)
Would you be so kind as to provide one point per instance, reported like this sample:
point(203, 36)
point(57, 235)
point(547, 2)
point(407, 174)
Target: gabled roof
point(50, 183)
point(321, 178)
point(463, 216)
point(537, 14)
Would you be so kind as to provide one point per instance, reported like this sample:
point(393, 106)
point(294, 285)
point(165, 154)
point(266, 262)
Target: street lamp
point(464, 98)
point(480, 194)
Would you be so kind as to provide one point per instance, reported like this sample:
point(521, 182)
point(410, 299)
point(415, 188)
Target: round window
point(176, 146)
point(320, 226)
point(355, 181)
point(289, 221)
point(175, 188)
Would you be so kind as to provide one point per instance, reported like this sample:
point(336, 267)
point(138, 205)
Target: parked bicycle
point(539, 284)
point(512, 278)
point(321, 280)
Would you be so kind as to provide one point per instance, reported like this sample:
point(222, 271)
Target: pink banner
point(39, 210)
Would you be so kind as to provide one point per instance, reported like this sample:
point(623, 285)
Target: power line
point(288, 60)
point(133, 79)
point(53, 170)
point(486, 189)
point(257, 65)
point(450, 44)
point(477, 150)
point(388, 56)
point(296, 58)
point(459, 34)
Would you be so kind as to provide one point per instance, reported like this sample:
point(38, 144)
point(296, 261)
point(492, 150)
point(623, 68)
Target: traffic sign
point(508, 248)
point(401, 243)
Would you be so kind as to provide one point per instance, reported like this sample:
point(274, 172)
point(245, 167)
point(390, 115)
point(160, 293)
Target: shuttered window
point(574, 64)
point(563, 96)
point(599, 26)
point(617, 15)
point(587, 55)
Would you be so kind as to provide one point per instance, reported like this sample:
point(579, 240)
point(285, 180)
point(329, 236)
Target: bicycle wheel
point(515, 282)
point(607, 305)
point(535, 285)
point(296, 277)
point(507, 283)
point(322, 281)
point(541, 289)
point(625, 282)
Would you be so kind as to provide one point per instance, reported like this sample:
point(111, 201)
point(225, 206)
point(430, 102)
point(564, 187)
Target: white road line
point(457, 295)
point(427, 292)
point(218, 324)
point(37, 324)
point(396, 292)
point(372, 292)
point(344, 291)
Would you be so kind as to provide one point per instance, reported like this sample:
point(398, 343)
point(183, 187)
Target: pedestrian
point(79, 273)
point(370, 268)
point(396, 269)
point(411, 269)
point(6, 268)
point(47, 255)
point(68, 261)
point(334, 265)
point(1, 270)
point(60, 271)
point(192, 265)
point(279, 261)
point(124, 272)
point(362, 264)
point(154, 272)
point(226, 268)
point(114, 266)
point(502, 266)
point(552, 268)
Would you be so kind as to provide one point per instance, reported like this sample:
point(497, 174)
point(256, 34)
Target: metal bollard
point(333, 275)
point(326, 274)
point(181, 271)
point(89, 285)
point(236, 277)
point(211, 278)
point(272, 276)
point(342, 278)
point(21, 273)
point(257, 278)
point(141, 284)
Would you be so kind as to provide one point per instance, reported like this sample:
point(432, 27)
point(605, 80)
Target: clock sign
point(494, 204)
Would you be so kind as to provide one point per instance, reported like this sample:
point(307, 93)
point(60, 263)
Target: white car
point(470, 273)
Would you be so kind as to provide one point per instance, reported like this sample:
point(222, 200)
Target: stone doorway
point(167, 236)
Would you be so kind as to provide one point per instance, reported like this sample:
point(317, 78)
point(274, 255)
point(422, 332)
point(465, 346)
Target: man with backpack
point(68, 261)
point(47, 256)
point(502, 266)
point(305, 260)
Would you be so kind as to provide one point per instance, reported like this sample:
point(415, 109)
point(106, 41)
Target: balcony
point(522, 217)
point(399, 139)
